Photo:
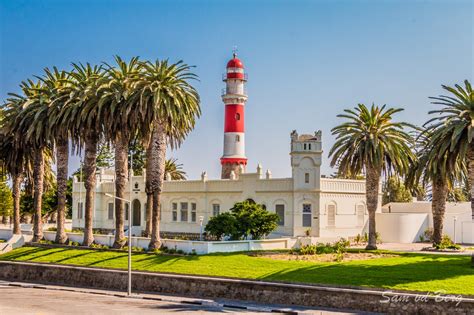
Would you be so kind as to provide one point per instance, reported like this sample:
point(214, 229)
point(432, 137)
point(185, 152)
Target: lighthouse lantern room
point(234, 98)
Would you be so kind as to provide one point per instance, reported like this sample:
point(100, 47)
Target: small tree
point(245, 219)
point(394, 190)
point(253, 220)
point(224, 224)
point(6, 201)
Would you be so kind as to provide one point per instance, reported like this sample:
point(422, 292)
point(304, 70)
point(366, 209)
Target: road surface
point(25, 299)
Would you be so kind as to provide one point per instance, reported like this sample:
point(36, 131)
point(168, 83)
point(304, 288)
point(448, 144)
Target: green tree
point(32, 130)
point(119, 99)
point(453, 127)
point(438, 170)
point(171, 106)
point(58, 90)
point(253, 220)
point(6, 201)
point(394, 190)
point(175, 169)
point(14, 158)
point(84, 121)
point(223, 225)
point(371, 141)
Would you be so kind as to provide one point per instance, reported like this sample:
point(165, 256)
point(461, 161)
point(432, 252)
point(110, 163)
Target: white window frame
point(281, 222)
point(184, 212)
point(306, 214)
point(80, 210)
point(110, 210)
point(174, 212)
point(193, 212)
point(216, 209)
point(331, 214)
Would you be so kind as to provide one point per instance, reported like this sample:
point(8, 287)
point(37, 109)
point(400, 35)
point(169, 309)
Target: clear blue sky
point(307, 60)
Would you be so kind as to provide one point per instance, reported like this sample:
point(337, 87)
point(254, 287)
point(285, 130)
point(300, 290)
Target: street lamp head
point(201, 218)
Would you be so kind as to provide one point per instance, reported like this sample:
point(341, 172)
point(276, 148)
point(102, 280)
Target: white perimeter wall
point(407, 221)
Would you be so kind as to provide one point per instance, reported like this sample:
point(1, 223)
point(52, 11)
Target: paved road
point(25, 299)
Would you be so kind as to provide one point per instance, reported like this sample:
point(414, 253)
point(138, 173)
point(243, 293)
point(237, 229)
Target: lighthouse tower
point(234, 98)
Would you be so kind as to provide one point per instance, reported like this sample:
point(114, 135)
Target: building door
point(136, 214)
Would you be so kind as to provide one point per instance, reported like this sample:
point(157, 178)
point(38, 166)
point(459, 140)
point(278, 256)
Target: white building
point(305, 202)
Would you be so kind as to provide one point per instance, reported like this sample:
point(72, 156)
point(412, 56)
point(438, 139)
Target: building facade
point(307, 203)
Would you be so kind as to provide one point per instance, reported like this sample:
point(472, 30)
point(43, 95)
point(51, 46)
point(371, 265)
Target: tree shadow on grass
point(20, 255)
point(151, 260)
point(371, 274)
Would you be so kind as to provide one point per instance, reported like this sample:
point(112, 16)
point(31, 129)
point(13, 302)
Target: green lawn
point(417, 272)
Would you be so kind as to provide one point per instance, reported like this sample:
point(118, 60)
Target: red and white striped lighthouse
point(234, 97)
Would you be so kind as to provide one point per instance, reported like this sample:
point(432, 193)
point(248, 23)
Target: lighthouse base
point(232, 164)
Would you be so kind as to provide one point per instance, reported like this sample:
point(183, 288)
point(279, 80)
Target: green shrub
point(100, 246)
point(338, 248)
point(52, 229)
point(447, 243)
point(221, 225)
point(428, 234)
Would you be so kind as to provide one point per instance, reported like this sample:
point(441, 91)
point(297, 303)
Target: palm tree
point(83, 119)
point(12, 156)
point(175, 169)
point(436, 166)
point(119, 99)
point(59, 88)
point(31, 129)
point(170, 105)
point(454, 126)
point(370, 141)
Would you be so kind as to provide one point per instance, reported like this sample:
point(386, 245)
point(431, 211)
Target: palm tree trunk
point(90, 156)
point(157, 161)
point(470, 173)
point(121, 172)
point(38, 178)
point(372, 195)
point(62, 157)
point(149, 192)
point(149, 209)
point(17, 179)
point(438, 208)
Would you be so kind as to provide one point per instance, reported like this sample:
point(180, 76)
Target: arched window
point(331, 214)
point(237, 116)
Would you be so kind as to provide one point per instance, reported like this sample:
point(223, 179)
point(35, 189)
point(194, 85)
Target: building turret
point(234, 97)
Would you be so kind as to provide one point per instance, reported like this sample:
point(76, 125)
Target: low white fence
point(199, 247)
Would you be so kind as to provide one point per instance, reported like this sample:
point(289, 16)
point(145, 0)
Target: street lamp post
point(129, 286)
point(201, 219)
point(455, 219)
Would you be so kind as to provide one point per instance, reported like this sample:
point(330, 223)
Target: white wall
point(401, 227)
point(389, 221)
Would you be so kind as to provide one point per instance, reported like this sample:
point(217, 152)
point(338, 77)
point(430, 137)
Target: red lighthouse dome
point(235, 69)
point(235, 63)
